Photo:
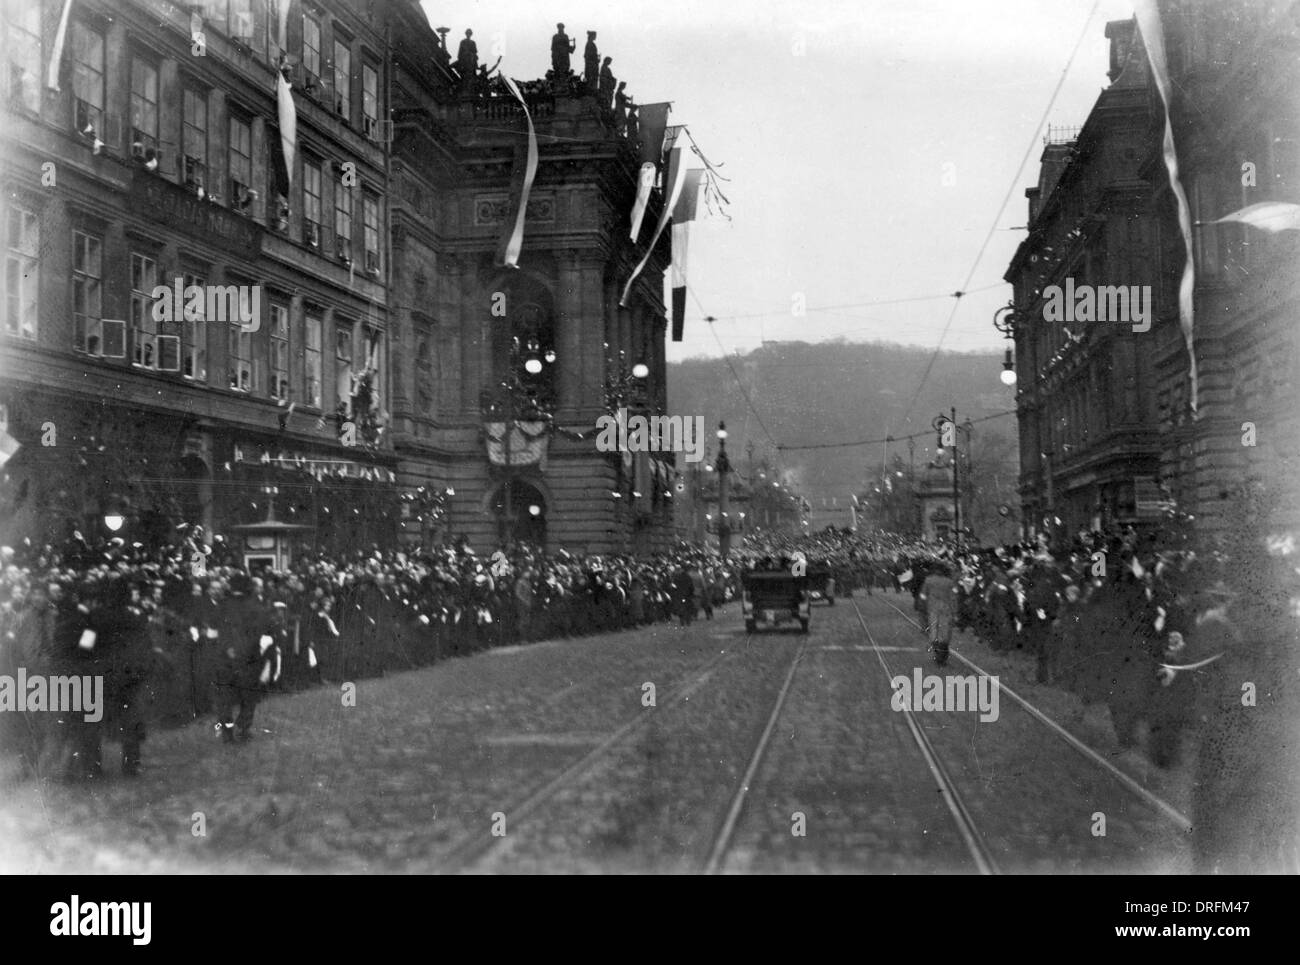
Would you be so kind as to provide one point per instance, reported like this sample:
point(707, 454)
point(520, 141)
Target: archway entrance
point(520, 513)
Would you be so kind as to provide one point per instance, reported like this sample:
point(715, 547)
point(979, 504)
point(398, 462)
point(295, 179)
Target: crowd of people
point(1157, 631)
point(1199, 641)
point(183, 631)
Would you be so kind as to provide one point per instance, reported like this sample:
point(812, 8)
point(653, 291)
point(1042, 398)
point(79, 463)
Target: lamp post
point(724, 467)
point(1007, 326)
point(940, 424)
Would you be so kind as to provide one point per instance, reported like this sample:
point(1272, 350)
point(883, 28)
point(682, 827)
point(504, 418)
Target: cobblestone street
point(545, 757)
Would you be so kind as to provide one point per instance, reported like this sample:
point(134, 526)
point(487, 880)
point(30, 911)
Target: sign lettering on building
point(178, 208)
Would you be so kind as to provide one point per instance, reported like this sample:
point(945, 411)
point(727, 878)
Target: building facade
point(1109, 433)
point(1086, 396)
point(343, 369)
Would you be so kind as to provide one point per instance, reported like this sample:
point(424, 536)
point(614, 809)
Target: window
point(279, 352)
point(240, 353)
point(195, 362)
point(241, 21)
point(369, 100)
point(91, 333)
point(312, 357)
point(1209, 262)
point(22, 248)
point(275, 44)
point(87, 78)
point(241, 162)
point(311, 203)
point(343, 366)
point(343, 221)
point(343, 79)
point(144, 276)
point(194, 139)
point(23, 72)
point(370, 222)
point(144, 106)
point(311, 51)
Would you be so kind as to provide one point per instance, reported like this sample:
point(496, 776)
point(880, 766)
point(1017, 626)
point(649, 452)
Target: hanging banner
point(514, 240)
point(683, 214)
point(1148, 17)
point(56, 52)
point(526, 444)
point(676, 178)
point(644, 185)
point(653, 123)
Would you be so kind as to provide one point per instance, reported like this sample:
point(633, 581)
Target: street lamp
point(724, 466)
point(1004, 320)
point(114, 521)
point(640, 370)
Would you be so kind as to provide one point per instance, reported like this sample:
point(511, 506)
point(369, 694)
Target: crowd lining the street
point(1155, 631)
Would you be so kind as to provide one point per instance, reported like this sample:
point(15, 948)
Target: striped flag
point(644, 185)
point(676, 179)
point(683, 214)
point(513, 242)
point(1153, 36)
point(1270, 216)
point(653, 124)
point(56, 52)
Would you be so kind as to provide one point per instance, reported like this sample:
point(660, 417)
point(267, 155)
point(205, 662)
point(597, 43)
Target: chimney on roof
point(1120, 34)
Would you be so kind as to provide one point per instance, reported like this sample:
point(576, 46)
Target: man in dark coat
point(245, 668)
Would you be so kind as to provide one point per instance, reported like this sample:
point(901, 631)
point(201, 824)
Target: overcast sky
point(838, 122)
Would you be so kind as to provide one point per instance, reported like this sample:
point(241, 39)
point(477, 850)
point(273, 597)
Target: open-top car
point(774, 597)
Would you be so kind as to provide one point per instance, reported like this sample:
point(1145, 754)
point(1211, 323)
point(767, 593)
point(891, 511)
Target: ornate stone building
point(1234, 463)
point(468, 327)
point(382, 389)
point(1089, 451)
point(1108, 429)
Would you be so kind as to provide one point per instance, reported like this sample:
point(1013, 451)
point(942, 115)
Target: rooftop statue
point(591, 62)
point(467, 59)
point(606, 83)
point(561, 47)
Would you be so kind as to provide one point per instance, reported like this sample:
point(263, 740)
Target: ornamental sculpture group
point(597, 79)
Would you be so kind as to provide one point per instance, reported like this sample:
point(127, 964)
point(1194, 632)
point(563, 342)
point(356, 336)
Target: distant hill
point(837, 392)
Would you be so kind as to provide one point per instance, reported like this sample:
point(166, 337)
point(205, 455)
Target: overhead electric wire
point(1015, 180)
point(914, 435)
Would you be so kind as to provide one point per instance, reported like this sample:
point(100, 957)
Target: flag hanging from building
point(683, 214)
point(653, 121)
point(56, 52)
point(644, 185)
point(1270, 216)
point(288, 118)
point(676, 179)
point(1153, 37)
point(512, 240)
point(8, 444)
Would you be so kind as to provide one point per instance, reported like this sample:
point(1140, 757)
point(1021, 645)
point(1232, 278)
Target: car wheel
point(803, 626)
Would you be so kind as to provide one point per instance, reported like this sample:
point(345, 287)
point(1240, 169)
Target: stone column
point(467, 298)
point(569, 334)
point(593, 322)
